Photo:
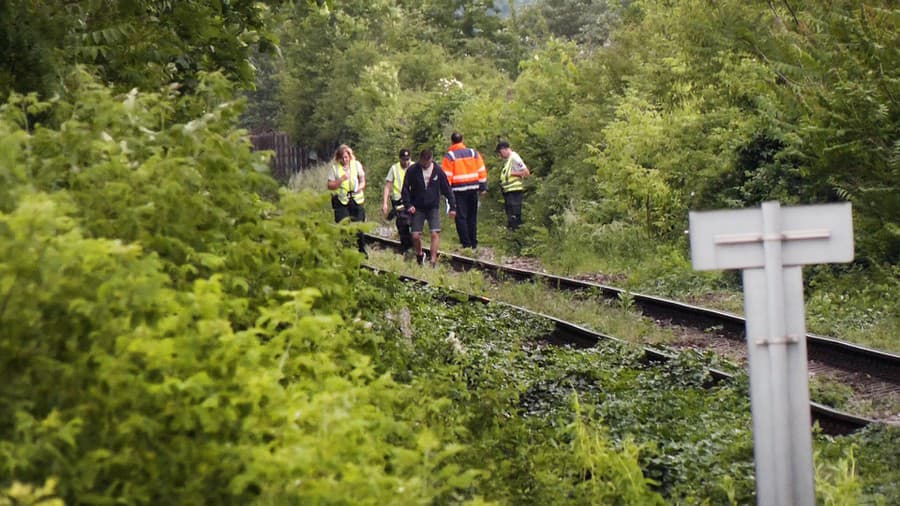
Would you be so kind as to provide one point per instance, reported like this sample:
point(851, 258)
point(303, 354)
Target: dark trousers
point(513, 202)
point(467, 218)
point(353, 211)
point(403, 222)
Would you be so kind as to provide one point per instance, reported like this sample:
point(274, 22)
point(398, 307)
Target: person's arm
point(385, 207)
point(447, 168)
point(388, 188)
point(361, 179)
point(405, 192)
point(448, 193)
point(519, 168)
point(482, 174)
point(333, 182)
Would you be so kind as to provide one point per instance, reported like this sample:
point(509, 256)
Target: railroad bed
point(875, 372)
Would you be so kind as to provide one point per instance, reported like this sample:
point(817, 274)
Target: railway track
point(824, 353)
point(831, 352)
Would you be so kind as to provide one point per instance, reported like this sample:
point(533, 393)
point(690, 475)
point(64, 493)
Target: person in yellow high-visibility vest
point(512, 174)
point(347, 182)
point(391, 203)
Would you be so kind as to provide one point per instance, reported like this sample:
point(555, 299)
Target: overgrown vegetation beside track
point(521, 401)
point(619, 318)
point(629, 115)
point(168, 334)
point(174, 329)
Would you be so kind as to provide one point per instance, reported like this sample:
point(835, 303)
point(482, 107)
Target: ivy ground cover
point(546, 424)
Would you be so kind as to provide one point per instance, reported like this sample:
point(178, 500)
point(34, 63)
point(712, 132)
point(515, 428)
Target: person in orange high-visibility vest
point(465, 170)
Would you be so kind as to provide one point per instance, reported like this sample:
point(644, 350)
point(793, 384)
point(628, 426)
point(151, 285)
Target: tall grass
point(589, 310)
point(313, 178)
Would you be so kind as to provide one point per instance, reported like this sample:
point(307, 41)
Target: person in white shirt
point(392, 205)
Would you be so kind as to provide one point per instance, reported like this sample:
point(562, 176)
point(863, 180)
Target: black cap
point(501, 145)
point(404, 153)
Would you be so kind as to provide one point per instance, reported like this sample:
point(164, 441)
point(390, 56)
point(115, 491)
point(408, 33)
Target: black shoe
point(420, 259)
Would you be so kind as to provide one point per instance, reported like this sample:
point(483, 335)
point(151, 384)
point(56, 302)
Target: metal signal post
point(770, 245)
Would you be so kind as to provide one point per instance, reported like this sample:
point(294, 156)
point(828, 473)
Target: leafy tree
point(264, 107)
point(383, 76)
point(460, 22)
point(327, 51)
point(29, 61)
point(839, 64)
point(144, 44)
point(586, 22)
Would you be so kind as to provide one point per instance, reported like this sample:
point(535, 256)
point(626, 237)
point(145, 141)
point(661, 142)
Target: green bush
point(855, 303)
point(170, 335)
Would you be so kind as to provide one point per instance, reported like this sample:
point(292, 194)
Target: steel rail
point(832, 352)
point(832, 422)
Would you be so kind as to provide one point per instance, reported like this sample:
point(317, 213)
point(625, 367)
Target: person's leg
point(434, 224)
point(514, 210)
point(461, 221)
point(435, 243)
point(520, 199)
point(403, 231)
point(340, 212)
point(473, 219)
point(358, 214)
point(507, 206)
point(465, 206)
point(417, 245)
point(418, 222)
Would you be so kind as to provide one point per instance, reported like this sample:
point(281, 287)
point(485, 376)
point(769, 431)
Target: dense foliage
point(168, 335)
point(630, 114)
point(175, 329)
point(550, 425)
point(140, 43)
point(690, 104)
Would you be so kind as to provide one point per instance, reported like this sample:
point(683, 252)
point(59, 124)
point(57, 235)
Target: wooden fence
point(289, 157)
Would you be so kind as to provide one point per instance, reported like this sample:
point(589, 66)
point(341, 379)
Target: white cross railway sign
point(770, 245)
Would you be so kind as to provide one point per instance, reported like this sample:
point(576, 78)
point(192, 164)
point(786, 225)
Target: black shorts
point(433, 216)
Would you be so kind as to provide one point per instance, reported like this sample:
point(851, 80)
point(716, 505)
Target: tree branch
point(793, 13)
